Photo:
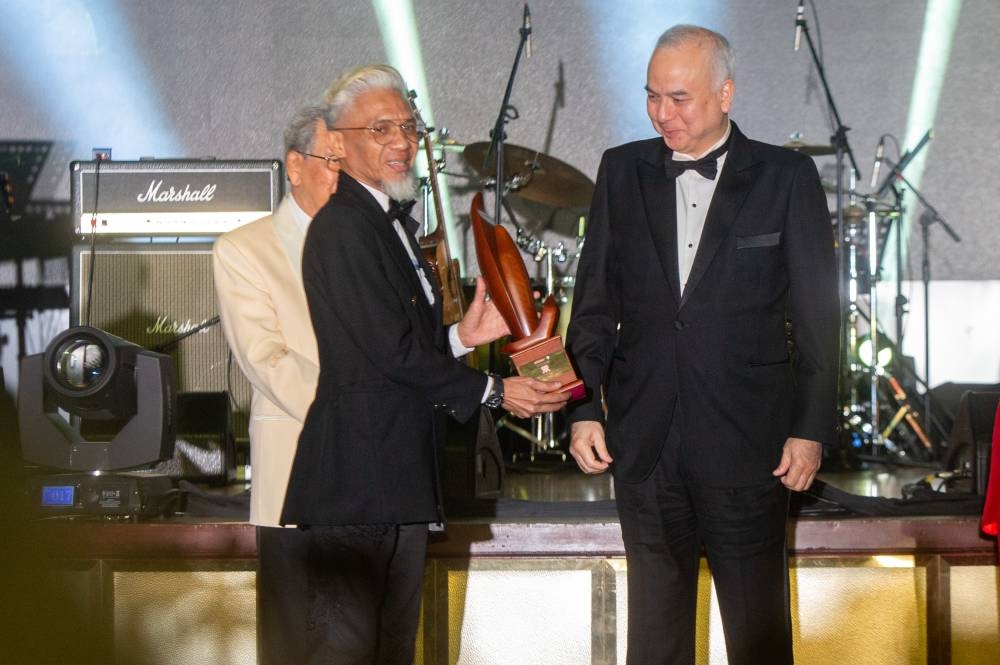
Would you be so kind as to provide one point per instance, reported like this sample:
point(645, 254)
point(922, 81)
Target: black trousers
point(282, 595)
point(665, 521)
point(341, 595)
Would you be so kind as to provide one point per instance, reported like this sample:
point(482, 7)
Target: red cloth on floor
point(991, 509)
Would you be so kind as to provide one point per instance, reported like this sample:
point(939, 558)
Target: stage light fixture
point(120, 398)
point(884, 358)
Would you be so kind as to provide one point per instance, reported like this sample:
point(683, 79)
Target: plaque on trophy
point(535, 349)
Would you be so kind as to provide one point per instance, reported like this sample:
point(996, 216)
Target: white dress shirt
point(694, 196)
point(301, 218)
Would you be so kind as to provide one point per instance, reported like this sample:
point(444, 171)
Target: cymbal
point(851, 212)
point(831, 188)
point(859, 211)
point(807, 149)
point(534, 175)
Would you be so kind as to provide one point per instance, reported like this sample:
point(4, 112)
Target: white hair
point(344, 91)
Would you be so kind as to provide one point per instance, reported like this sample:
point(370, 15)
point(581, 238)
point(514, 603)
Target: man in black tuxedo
point(365, 482)
point(706, 317)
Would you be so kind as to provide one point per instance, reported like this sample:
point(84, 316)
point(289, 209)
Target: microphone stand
point(896, 171)
point(497, 134)
point(928, 218)
point(842, 149)
point(540, 440)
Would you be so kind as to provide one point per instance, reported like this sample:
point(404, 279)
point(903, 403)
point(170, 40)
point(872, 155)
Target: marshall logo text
point(165, 326)
point(173, 195)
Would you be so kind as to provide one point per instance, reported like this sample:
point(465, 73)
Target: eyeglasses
point(383, 131)
point(332, 163)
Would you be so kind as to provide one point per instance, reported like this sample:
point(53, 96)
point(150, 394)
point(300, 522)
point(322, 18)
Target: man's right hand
point(525, 397)
point(588, 448)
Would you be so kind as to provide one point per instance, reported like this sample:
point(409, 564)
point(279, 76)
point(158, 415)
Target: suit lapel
point(437, 309)
point(362, 199)
point(735, 182)
point(290, 236)
point(659, 196)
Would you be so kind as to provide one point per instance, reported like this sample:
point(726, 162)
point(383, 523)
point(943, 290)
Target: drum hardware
point(877, 248)
point(857, 254)
point(907, 412)
point(544, 435)
point(866, 373)
point(797, 145)
point(544, 440)
point(447, 143)
point(867, 406)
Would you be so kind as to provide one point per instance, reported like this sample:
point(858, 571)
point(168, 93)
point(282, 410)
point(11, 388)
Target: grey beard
point(404, 189)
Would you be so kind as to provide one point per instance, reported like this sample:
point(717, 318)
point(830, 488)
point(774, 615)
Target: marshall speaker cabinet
point(160, 296)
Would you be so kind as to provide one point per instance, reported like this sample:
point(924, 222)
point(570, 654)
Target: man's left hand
point(482, 322)
point(800, 461)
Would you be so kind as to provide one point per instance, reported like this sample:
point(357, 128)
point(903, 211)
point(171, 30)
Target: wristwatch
point(494, 398)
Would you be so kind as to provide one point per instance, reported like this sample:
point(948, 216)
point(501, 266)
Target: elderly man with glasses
point(365, 482)
point(258, 282)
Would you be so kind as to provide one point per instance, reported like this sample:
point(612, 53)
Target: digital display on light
point(57, 495)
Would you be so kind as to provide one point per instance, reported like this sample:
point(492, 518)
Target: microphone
point(879, 153)
point(527, 31)
point(800, 20)
point(904, 161)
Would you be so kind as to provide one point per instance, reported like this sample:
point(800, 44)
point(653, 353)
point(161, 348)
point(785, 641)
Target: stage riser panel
point(500, 610)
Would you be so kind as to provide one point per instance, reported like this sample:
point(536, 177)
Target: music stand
point(21, 163)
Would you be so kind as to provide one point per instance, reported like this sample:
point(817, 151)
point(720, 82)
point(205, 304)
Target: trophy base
point(548, 361)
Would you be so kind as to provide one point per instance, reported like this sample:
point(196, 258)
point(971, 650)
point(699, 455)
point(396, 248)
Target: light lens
point(80, 363)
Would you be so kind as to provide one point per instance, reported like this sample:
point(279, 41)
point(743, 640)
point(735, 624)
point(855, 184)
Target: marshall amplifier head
point(172, 197)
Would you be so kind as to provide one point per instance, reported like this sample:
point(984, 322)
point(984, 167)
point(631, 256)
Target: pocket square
point(760, 240)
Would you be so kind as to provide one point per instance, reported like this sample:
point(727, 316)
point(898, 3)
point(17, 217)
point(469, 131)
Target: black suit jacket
point(367, 453)
point(721, 351)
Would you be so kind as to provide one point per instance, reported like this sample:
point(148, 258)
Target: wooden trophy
point(534, 349)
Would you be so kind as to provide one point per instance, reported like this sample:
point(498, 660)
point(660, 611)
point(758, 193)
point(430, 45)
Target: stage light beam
point(78, 61)
point(398, 27)
point(940, 20)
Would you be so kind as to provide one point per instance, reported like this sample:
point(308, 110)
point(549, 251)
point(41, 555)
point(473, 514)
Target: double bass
point(435, 244)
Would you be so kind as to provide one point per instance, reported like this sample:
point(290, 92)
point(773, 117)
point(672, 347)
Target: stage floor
point(550, 479)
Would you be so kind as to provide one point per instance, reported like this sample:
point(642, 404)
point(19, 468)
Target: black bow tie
point(401, 210)
point(707, 166)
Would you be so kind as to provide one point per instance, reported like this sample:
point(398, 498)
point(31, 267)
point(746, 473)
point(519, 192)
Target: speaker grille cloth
point(151, 296)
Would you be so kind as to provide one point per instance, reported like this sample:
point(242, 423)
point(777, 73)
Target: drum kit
point(879, 420)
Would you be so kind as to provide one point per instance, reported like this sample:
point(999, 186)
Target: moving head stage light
point(121, 402)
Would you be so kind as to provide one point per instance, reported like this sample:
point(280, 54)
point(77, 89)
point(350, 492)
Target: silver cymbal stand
point(542, 436)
